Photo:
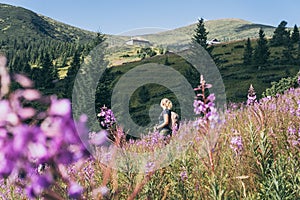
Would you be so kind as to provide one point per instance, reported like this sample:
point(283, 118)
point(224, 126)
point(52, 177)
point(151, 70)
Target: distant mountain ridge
point(225, 30)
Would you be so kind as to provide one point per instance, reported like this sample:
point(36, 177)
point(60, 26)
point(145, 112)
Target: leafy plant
point(282, 85)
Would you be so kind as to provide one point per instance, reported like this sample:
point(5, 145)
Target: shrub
point(282, 85)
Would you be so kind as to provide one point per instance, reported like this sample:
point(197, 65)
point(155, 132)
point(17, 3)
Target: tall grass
point(265, 165)
point(254, 154)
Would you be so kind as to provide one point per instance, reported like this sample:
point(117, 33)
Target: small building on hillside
point(138, 41)
point(214, 41)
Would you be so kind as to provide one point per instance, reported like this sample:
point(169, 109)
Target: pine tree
point(261, 52)
point(26, 67)
point(298, 53)
point(99, 39)
point(200, 36)
point(45, 61)
point(288, 52)
point(295, 35)
point(71, 74)
point(248, 52)
point(281, 35)
point(48, 73)
point(64, 60)
point(19, 63)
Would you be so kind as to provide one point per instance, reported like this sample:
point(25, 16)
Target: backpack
point(174, 125)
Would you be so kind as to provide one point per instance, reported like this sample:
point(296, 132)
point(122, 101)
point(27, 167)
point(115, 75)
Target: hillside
point(21, 23)
point(236, 76)
point(225, 30)
point(59, 40)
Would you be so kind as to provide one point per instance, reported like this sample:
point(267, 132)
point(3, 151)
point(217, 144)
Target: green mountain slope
point(237, 77)
point(225, 30)
point(17, 22)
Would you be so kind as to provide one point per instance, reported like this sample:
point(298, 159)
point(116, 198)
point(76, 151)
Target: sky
point(119, 16)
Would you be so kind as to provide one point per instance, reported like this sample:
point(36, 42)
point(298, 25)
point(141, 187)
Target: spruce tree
point(71, 74)
point(281, 35)
point(19, 64)
point(48, 74)
point(298, 53)
point(248, 52)
point(295, 35)
point(288, 52)
point(261, 52)
point(99, 39)
point(44, 79)
point(200, 36)
point(26, 67)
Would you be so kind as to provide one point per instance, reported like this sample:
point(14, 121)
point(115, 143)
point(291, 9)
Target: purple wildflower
point(251, 96)
point(99, 138)
point(75, 191)
point(103, 191)
point(298, 109)
point(183, 176)
point(59, 107)
point(204, 106)
point(236, 144)
point(293, 137)
point(199, 107)
point(149, 167)
point(23, 80)
point(106, 118)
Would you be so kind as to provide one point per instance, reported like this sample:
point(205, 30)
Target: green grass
point(236, 76)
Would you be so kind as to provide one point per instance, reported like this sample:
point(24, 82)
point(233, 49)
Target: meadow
point(251, 151)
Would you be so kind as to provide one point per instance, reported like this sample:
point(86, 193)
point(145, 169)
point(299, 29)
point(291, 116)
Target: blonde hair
point(166, 103)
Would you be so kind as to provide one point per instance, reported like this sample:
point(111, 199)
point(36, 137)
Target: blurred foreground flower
point(31, 138)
